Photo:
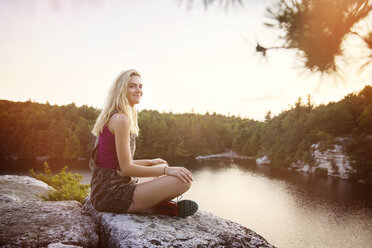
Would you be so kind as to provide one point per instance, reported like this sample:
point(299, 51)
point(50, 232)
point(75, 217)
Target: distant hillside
point(287, 137)
point(30, 130)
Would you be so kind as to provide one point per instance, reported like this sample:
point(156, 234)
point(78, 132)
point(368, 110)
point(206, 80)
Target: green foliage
point(287, 137)
point(30, 129)
point(247, 137)
point(321, 171)
point(66, 184)
point(326, 140)
point(183, 135)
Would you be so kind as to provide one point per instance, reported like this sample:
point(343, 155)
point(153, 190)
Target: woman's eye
point(135, 86)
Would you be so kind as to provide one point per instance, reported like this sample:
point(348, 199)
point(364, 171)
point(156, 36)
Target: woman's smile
point(134, 90)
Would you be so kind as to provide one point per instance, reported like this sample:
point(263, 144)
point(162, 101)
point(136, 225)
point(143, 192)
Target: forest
point(30, 130)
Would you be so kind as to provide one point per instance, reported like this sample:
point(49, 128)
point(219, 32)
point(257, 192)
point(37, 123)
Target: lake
point(289, 209)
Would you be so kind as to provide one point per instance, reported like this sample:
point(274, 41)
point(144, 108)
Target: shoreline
point(228, 154)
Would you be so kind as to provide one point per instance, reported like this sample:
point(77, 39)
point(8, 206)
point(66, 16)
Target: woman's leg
point(145, 179)
point(149, 193)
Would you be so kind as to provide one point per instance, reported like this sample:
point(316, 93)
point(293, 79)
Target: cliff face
point(28, 221)
point(333, 162)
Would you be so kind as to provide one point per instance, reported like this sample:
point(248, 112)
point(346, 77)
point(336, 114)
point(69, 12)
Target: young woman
point(121, 184)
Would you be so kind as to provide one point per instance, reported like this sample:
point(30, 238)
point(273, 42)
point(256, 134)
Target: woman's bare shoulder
point(120, 117)
point(119, 120)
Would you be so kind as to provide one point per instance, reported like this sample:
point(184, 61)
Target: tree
point(268, 116)
point(317, 29)
point(309, 102)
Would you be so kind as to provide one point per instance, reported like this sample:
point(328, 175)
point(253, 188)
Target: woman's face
point(134, 90)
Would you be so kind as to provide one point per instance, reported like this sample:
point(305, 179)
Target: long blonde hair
point(117, 101)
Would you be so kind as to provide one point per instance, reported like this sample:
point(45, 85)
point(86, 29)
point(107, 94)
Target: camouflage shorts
point(110, 192)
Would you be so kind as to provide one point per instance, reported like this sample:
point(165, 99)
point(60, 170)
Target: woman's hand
point(180, 172)
point(120, 172)
point(158, 161)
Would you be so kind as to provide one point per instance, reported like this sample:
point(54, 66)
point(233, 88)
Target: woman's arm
point(150, 162)
point(120, 126)
point(146, 162)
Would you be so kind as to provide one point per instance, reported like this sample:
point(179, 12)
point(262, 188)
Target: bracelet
point(164, 170)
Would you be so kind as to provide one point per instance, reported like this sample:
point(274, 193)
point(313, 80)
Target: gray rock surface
point(60, 245)
point(149, 230)
point(28, 221)
point(335, 160)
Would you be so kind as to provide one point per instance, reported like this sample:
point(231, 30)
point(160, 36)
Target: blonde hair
point(117, 101)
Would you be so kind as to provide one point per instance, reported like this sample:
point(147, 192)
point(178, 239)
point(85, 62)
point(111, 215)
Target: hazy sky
point(71, 51)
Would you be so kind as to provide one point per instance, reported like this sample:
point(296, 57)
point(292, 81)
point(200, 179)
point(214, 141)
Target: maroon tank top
point(106, 154)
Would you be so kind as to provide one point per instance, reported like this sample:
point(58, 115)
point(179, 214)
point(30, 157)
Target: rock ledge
point(28, 221)
point(149, 230)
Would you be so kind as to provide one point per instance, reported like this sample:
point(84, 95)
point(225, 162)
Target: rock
point(335, 160)
point(28, 221)
point(263, 160)
point(148, 230)
point(299, 166)
point(60, 245)
point(306, 168)
point(228, 154)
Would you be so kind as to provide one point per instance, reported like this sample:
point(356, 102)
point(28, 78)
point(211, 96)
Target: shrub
point(321, 171)
point(66, 184)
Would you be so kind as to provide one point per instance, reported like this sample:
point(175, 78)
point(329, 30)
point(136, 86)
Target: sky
point(191, 60)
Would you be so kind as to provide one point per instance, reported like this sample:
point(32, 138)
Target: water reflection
point(287, 213)
point(329, 189)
